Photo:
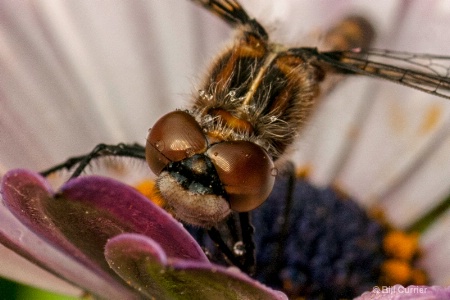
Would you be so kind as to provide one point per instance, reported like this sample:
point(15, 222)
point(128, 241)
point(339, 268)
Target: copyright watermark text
point(398, 289)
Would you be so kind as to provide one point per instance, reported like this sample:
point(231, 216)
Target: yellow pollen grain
point(395, 271)
point(147, 188)
point(432, 117)
point(401, 245)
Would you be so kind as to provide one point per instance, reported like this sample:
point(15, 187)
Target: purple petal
point(399, 292)
point(24, 192)
point(107, 207)
point(89, 210)
point(141, 262)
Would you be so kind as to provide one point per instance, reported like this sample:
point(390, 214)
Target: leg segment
point(101, 150)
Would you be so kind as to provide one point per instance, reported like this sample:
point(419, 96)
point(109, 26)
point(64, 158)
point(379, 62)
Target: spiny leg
point(101, 150)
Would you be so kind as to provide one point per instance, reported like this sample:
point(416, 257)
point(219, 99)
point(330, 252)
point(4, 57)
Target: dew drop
point(249, 108)
point(207, 118)
point(159, 145)
point(207, 253)
point(190, 152)
point(274, 172)
point(238, 248)
point(241, 136)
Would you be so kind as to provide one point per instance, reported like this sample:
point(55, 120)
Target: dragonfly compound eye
point(246, 171)
point(174, 137)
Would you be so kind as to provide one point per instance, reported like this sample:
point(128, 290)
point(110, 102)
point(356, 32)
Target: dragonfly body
point(248, 111)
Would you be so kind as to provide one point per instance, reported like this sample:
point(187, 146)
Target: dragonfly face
point(219, 156)
point(201, 178)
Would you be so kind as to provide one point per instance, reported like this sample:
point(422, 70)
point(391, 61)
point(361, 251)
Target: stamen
point(394, 271)
point(401, 245)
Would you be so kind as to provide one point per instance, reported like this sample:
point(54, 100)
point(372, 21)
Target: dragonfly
point(217, 161)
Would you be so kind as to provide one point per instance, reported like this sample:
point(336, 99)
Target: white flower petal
point(82, 78)
point(436, 247)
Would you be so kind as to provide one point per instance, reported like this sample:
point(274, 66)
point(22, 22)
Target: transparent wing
point(425, 72)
